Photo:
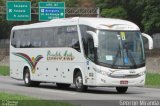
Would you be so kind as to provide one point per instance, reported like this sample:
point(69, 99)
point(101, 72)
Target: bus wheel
point(79, 83)
point(121, 89)
point(27, 79)
point(61, 85)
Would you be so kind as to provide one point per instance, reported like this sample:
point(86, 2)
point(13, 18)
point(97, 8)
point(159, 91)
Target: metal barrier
point(4, 48)
point(4, 43)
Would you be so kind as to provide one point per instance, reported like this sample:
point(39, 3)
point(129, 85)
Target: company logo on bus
point(59, 56)
point(31, 61)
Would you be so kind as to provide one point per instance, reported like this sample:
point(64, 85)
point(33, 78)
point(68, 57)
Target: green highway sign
point(51, 10)
point(18, 10)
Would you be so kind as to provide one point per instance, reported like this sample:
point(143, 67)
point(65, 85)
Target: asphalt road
point(98, 96)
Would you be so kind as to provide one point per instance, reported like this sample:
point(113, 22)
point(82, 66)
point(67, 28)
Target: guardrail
point(68, 11)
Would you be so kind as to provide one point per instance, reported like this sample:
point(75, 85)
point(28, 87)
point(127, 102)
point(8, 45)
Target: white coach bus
point(87, 52)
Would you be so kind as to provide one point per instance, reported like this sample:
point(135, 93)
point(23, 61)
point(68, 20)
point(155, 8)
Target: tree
point(151, 16)
point(2, 2)
point(134, 9)
point(117, 12)
point(131, 10)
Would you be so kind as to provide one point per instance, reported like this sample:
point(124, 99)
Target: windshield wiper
point(117, 54)
point(129, 55)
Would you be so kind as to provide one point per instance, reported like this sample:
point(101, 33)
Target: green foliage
point(144, 13)
point(107, 3)
point(4, 70)
point(117, 12)
point(2, 2)
point(151, 16)
point(21, 100)
point(71, 3)
point(7, 96)
point(153, 79)
point(135, 9)
point(131, 10)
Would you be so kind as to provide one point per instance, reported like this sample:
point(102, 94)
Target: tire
point(62, 85)
point(79, 83)
point(35, 83)
point(121, 89)
point(27, 80)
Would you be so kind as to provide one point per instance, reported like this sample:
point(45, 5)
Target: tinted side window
point(61, 37)
point(25, 39)
point(71, 37)
point(90, 47)
point(48, 37)
point(87, 39)
point(36, 37)
point(67, 36)
point(15, 40)
point(55, 37)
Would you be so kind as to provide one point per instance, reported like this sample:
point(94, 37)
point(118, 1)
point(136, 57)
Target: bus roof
point(98, 23)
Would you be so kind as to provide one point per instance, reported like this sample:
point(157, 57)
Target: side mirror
point(150, 40)
point(95, 37)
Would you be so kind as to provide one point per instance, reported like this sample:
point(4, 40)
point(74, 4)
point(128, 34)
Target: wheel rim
point(27, 78)
point(79, 81)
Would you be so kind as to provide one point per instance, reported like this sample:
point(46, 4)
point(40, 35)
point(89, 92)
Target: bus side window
point(25, 38)
point(90, 48)
point(18, 44)
point(67, 36)
point(13, 35)
point(87, 41)
point(13, 40)
point(75, 44)
point(36, 38)
point(60, 37)
point(17, 38)
point(85, 47)
point(72, 39)
point(48, 37)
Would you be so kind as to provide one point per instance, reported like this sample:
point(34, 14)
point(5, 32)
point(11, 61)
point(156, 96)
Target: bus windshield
point(120, 49)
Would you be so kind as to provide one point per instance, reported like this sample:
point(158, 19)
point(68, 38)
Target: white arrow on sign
point(42, 10)
point(10, 10)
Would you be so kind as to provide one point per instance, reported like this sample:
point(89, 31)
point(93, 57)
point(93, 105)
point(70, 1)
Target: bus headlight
point(142, 73)
point(101, 72)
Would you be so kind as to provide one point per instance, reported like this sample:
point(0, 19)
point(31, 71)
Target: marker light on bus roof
point(120, 27)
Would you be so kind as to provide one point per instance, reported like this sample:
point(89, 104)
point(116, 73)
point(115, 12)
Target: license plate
point(124, 82)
